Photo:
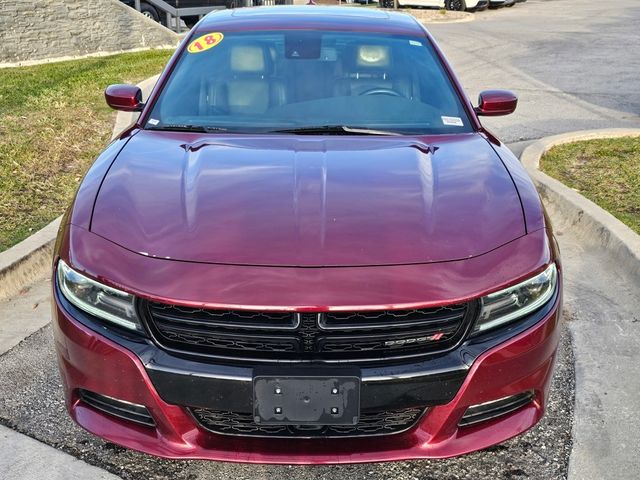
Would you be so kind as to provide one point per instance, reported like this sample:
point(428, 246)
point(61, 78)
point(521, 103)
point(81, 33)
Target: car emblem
point(408, 341)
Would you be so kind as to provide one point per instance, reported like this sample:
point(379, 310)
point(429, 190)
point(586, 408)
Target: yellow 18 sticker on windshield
point(205, 42)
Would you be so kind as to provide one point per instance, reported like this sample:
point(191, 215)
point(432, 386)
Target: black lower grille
point(117, 408)
point(370, 424)
point(327, 336)
point(490, 410)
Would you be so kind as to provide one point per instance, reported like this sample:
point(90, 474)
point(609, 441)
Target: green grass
point(607, 172)
point(53, 124)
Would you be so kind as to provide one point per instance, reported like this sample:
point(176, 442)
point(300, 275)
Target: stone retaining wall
point(36, 30)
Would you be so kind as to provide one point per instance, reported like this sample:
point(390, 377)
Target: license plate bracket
point(306, 398)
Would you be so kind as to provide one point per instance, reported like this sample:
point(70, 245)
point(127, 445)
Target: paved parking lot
point(573, 63)
point(559, 55)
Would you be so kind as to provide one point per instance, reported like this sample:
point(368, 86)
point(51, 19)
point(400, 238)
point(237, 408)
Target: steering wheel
point(382, 91)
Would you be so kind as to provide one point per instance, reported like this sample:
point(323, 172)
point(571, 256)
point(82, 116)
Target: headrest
point(372, 56)
point(248, 59)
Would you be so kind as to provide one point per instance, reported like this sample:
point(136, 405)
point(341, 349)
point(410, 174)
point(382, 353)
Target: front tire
point(190, 21)
point(455, 5)
point(150, 12)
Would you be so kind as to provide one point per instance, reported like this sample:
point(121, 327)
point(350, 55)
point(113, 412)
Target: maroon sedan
point(307, 250)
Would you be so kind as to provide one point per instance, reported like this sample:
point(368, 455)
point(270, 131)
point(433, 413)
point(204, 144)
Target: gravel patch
point(31, 402)
point(438, 16)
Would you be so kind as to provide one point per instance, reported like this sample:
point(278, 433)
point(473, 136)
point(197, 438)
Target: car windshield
point(309, 82)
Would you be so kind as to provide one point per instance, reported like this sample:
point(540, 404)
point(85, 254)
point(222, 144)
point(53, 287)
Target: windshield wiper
point(333, 130)
point(187, 128)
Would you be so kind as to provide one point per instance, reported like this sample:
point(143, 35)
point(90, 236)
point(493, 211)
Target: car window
point(268, 81)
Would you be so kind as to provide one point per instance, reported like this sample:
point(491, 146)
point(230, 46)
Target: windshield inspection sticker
point(153, 122)
point(456, 121)
point(415, 43)
point(205, 42)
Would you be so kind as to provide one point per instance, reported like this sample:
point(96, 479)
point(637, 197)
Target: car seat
point(368, 68)
point(247, 86)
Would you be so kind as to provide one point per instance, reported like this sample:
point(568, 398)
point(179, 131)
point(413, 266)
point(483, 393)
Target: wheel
point(190, 21)
point(457, 5)
point(149, 11)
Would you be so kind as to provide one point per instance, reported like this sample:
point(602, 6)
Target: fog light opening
point(122, 409)
point(495, 408)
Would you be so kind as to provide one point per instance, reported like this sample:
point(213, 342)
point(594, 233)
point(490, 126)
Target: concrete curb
point(23, 263)
point(438, 18)
point(470, 18)
point(30, 259)
point(602, 264)
point(32, 63)
point(594, 225)
point(27, 458)
point(467, 17)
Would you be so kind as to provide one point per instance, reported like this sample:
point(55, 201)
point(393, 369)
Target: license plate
point(306, 399)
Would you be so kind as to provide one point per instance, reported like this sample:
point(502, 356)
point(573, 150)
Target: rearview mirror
point(127, 98)
point(493, 103)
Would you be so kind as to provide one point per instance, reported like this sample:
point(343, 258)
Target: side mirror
point(127, 98)
point(493, 103)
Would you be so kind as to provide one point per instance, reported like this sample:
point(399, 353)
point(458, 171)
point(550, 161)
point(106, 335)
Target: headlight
point(104, 302)
point(515, 302)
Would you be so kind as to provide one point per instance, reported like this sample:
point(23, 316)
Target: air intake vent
point(497, 408)
point(118, 408)
point(383, 422)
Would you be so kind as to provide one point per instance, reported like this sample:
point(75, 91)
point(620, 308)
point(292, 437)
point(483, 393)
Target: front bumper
point(138, 372)
point(481, 5)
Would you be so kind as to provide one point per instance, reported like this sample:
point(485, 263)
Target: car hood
point(307, 201)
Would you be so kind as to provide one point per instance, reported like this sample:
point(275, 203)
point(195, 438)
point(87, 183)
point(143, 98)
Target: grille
point(118, 408)
point(370, 424)
point(285, 336)
point(490, 410)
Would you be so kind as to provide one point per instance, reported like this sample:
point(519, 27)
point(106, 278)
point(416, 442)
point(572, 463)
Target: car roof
point(310, 17)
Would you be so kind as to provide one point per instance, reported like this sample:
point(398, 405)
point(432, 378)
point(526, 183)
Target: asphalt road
point(573, 63)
